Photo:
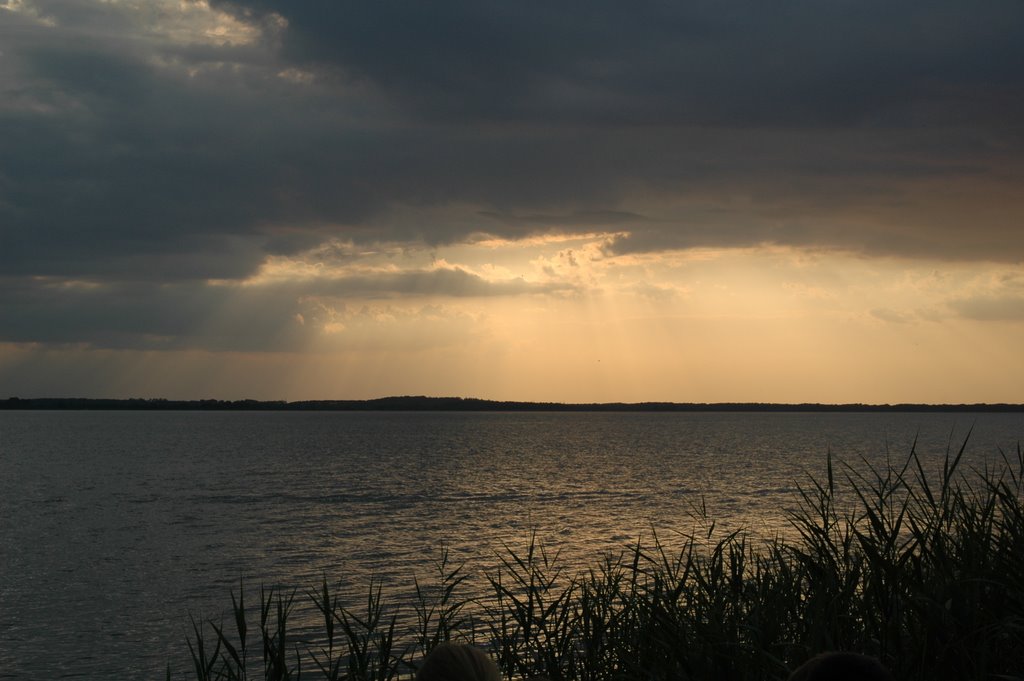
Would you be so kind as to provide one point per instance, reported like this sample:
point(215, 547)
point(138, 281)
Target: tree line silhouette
point(423, 403)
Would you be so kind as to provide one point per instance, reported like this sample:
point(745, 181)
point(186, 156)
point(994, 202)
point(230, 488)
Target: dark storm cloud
point(595, 99)
point(147, 316)
point(798, 62)
point(139, 147)
point(219, 317)
point(541, 109)
point(589, 218)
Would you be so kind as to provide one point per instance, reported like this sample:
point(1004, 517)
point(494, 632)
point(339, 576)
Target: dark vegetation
point(421, 403)
point(926, 574)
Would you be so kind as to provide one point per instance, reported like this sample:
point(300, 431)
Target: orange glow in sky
point(665, 202)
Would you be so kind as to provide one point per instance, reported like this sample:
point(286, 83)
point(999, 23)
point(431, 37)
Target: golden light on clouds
point(562, 320)
point(228, 199)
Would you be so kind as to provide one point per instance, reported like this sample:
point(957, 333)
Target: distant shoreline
point(422, 403)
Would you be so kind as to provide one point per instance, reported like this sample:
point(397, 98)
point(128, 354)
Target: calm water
point(114, 526)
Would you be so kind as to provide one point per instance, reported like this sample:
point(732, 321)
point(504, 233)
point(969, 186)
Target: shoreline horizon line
point(427, 403)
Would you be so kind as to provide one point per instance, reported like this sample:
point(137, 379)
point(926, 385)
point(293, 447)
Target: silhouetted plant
point(925, 574)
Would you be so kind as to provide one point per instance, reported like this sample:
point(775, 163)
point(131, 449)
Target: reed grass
point(926, 574)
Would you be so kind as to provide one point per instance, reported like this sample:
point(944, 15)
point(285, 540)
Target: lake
point(116, 526)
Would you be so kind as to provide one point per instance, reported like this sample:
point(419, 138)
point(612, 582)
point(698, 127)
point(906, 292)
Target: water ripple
point(115, 526)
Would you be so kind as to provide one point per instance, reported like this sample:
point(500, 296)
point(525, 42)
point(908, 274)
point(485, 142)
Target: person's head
point(456, 662)
point(841, 667)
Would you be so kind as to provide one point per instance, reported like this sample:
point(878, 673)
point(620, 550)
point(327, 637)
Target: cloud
point(188, 315)
point(386, 327)
point(655, 292)
point(994, 308)
point(650, 62)
point(997, 297)
point(450, 282)
point(145, 316)
point(175, 144)
point(150, 147)
point(590, 218)
point(892, 316)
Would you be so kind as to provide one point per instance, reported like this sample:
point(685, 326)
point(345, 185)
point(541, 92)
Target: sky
point(749, 201)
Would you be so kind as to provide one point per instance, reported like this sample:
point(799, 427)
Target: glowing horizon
point(563, 321)
point(222, 199)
